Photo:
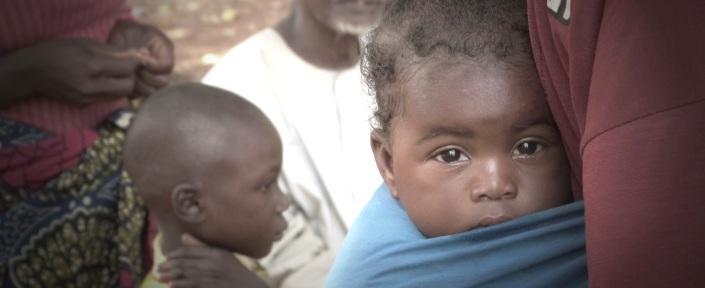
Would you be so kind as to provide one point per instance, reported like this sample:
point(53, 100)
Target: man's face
point(347, 16)
point(474, 146)
point(244, 203)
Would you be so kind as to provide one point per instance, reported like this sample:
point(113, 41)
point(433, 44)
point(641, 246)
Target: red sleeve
point(640, 113)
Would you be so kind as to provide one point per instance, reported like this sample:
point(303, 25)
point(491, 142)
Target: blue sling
point(384, 249)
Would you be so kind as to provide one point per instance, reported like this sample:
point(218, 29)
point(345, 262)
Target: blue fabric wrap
point(384, 249)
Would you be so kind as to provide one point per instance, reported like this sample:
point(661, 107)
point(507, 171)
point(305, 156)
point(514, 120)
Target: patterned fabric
point(30, 156)
point(84, 228)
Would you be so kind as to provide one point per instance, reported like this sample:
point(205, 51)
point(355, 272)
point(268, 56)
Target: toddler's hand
point(198, 265)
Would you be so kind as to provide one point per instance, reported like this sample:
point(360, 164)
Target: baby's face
point(244, 203)
point(474, 146)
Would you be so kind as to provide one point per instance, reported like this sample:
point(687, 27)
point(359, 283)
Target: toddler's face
point(244, 198)
point(474, 146)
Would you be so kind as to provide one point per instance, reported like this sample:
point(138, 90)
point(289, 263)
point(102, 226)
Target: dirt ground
point(203, 31)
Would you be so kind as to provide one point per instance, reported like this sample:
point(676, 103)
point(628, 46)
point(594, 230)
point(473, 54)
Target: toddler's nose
point(493, 182)
point(282, 202)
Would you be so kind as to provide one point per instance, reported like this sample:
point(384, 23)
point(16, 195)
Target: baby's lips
point(490, 220)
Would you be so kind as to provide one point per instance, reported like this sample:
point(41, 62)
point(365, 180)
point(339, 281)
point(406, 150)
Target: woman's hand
point(76, 70)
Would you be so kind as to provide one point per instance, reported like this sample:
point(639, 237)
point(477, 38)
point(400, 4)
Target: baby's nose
point(493, 182)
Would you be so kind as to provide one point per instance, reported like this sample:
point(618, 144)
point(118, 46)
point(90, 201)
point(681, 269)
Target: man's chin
point(351, 28)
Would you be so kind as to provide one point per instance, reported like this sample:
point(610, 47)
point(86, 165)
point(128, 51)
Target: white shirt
point(322, 117)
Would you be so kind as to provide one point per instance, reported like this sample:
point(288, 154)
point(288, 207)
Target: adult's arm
point(14, 73)
point(76, 70)
point(643, 149)
point(626, 80)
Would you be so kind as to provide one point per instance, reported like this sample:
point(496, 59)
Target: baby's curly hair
point(467, 30)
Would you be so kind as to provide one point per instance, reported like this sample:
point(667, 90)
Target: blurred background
point(203, 31)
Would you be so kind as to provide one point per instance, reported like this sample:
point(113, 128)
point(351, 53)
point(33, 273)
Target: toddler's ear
point(187, 205)
point(381, 149)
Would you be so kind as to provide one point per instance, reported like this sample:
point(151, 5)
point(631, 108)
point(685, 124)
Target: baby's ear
point(381, 148)
point(187, 204)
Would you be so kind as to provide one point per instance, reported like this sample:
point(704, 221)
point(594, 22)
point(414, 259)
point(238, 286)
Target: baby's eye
point(451, 155)
point(528, 148)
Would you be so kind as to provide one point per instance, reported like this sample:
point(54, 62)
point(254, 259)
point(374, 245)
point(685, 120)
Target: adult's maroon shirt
point(625, 80)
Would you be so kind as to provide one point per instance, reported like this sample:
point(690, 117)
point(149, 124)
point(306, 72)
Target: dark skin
point(209, 201)
point(249, 197)
point(154, 73)
point(197, 265)
point(473, 147)
point(310, 33)
point(84, 71)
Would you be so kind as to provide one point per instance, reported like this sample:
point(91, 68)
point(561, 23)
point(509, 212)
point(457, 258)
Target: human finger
point(183, 283)
point(168, 275)
point(113, 61)
point(161, 50)
point(172, 270)
point(192, 252)
point(190, 240)
point(153, 79)
point(100, 89)
point(142, 90)
point(188, 268)
point(113, 87)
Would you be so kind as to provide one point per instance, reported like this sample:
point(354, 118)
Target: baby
point(206, 163)
point(464, 139)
